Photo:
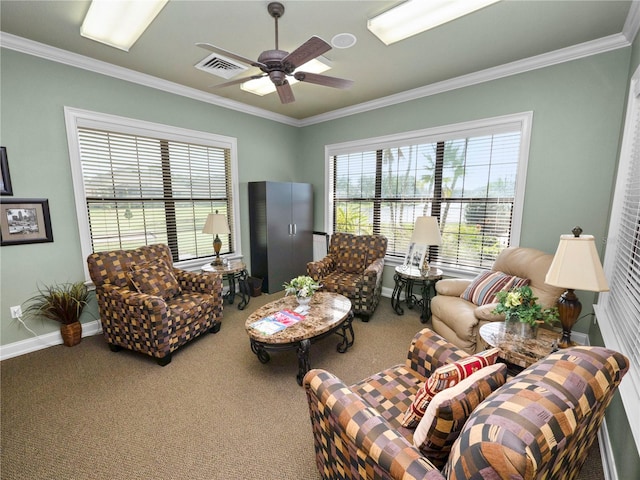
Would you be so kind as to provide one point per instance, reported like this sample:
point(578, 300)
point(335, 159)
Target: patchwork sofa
point(539, 424)
point(353, 267)
point(459, 320)
point(148, 306)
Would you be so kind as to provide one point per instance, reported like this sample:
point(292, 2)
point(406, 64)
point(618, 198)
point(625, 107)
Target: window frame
point(488, 126)
point(75, 118)
point(607, 320)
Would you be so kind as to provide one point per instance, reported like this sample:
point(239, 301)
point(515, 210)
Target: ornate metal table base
point(242, 290)
point(407, 280)
point(343, 330)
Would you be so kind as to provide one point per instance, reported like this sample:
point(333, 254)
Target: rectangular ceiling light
point(415, 16)
point(263, 86)
point(119, 23)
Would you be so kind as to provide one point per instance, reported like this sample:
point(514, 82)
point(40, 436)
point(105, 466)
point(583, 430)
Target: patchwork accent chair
point(353, 268)
point(539, 424)
point(462, 306)
point(148, 306)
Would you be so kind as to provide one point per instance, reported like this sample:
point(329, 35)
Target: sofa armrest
point(348, 432)
point(209, 282)
point(373, 273)
point(429, 350)
point(485, 312)
point(452, 287)
point(320, 268)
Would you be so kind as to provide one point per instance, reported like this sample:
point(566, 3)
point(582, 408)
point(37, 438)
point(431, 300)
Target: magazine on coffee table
point(276, 322)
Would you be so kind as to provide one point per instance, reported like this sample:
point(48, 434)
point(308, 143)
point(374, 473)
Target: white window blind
point(468, 179)
point(618, 310)
point(139, 187)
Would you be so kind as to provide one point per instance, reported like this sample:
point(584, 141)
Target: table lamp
point(216, 224)
point(426, 232)
point(575, 266)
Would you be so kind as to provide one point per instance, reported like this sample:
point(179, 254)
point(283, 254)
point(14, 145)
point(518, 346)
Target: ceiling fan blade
point(237, 80)
point(285, 93)
point(323, 80)
point(309, 50)
point(239, 58)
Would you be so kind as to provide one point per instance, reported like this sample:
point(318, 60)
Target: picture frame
point(5, 178)
point(25, 220)
point(415, 255)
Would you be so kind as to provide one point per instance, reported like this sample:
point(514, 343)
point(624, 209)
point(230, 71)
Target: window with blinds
point(140, 189)
point(618, 311)
point(467, 178)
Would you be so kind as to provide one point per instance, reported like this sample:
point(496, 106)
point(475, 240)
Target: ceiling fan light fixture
point(119, 23)
point(416, 16)
point(263, 86)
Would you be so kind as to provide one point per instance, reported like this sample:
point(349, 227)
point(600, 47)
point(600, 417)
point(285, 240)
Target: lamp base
point(217, 262)
point(569, 308)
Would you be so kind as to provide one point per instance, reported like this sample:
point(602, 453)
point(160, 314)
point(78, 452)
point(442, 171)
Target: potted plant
point(62, 303)
point(303, 287)
point(522, 313)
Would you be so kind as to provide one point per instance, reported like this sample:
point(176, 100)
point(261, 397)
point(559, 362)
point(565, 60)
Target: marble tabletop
point(326, 311)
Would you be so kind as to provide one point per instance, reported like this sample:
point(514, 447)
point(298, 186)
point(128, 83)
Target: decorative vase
point(525, 330)
point(303, 301)
point(71, 333)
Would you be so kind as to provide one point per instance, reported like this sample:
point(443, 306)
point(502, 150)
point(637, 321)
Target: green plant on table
point(521, 303)
point(302, 286)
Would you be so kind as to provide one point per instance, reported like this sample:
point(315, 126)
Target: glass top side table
point(233, 271)
point(409, 277)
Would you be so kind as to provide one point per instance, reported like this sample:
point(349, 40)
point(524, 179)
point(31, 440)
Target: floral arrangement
point(302, 286)
point(521, 303)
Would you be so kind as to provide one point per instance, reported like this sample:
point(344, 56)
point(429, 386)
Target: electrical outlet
point(16, 312)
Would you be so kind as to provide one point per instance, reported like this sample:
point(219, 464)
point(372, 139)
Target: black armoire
point(281, 230)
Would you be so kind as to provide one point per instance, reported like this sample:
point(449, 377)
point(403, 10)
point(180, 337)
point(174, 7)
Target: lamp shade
point(216, 224)
point(426, 231)
point(576, 265)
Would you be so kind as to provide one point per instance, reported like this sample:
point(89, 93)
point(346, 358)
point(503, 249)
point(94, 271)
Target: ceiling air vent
point(221, 66)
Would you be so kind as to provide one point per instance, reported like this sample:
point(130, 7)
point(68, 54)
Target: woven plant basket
point(71, 333)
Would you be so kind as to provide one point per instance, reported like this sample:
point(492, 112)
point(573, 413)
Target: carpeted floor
point(215, 412)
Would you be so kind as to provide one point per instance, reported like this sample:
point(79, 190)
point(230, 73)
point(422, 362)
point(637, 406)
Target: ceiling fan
point(278, 64)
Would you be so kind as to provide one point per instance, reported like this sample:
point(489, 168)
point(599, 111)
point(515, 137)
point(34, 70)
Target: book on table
point(277, 321)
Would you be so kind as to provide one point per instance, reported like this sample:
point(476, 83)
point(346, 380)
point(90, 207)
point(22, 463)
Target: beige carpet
point(215, 412)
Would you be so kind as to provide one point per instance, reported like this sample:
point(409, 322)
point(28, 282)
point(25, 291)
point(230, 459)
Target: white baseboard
point(606, 453)
point(44, 341)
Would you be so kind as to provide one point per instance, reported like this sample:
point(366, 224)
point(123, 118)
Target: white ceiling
point(490, 40)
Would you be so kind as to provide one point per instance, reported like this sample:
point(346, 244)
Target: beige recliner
point(458, 320)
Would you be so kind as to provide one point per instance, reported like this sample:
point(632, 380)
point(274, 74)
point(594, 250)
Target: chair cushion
point(155, 279)
point(444, 377)
point(484, 287)
point(347, 284)
point(449, 410)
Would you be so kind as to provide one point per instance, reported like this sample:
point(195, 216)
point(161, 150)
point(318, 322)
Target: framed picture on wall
point(25, 220)
point(5, 178)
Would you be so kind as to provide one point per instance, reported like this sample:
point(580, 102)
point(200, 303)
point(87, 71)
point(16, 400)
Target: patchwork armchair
point(148, 306)
point(539, 424)
point(353, 267)
point(459, 319)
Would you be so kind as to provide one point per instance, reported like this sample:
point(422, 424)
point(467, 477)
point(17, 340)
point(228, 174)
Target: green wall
point(34, 92)
point(577, 112)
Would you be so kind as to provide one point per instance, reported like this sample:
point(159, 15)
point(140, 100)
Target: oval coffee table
point(328, 313)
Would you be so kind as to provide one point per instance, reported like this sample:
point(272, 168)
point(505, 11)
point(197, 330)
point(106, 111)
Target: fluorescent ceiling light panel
point(263, 86)
point(415, 16)
point(119, 23)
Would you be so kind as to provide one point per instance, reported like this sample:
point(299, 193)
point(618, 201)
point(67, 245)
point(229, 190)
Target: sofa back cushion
point(447, 413)
point(532, 264)
point(354, 253)
point(114, 266)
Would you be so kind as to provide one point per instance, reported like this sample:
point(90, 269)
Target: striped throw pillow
point(444, 377)
point(484, 287)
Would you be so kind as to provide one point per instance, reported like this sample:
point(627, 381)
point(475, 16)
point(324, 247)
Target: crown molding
point(65, 57)
point(594, 47)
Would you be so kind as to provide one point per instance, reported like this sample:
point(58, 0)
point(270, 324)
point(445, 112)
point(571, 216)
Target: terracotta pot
point(71, 333)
